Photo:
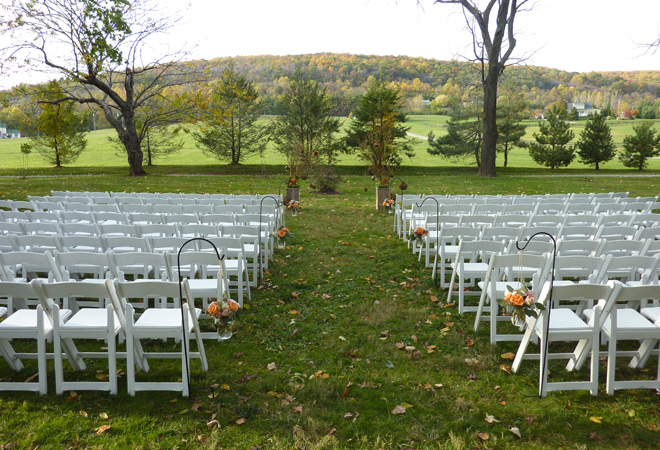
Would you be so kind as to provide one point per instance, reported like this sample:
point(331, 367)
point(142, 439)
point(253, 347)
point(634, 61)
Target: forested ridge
point(346, 77)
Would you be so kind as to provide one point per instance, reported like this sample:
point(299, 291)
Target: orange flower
point(517, 300)
point(507, 297)
point(233, 306)
point(281, 233)
point(213, 309)
point(420, 231)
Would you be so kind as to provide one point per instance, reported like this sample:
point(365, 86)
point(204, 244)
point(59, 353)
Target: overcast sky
point(572, 35)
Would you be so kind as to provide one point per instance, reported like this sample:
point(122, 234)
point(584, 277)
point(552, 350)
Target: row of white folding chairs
point(428, 245)
point(113, 194)
point(607, 313)
point(430, 221)
point(468, 260)
point(103, 325)
point(138, 200)
point(494, 216)
point(41, 236)
point(60, 223)
point(241, 259)
point(518, 197)
point(155, 208)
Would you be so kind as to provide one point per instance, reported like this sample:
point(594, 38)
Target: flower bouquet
point(292, 182)
point(282, 234)
point(521, 303)
point(419, 234)
point(294, 207)
point(388, 204)
point(383, 183)
point(223, 311)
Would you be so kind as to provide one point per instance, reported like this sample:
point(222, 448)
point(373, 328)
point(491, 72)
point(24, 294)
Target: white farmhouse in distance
point(585, 109)
point(8, 133)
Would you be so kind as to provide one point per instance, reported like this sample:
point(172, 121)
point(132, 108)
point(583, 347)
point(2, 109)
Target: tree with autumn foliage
point(377, 133)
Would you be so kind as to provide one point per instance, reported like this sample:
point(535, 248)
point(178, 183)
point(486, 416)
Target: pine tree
point(229, 129)
point(639, 147)
point(596, 145)
point(551, 148)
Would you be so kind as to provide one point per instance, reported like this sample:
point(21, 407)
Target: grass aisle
point(347, 344)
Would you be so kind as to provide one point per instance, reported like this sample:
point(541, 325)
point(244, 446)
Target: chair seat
point(89, 320)
point(471, 268)
point(563, 320)
point(23, 323)
point(652, 313)
point(159, 320)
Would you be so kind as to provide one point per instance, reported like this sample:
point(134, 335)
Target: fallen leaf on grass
point(389, 365)
point(434, 299)
point(293, 312)
point(483, 436)
point(508, 355)
point(342, 338)
point(516, 431)
point(399, 409)
point(596, 419)
point(506, 368)
point(240, 421)
point(400, 345)
point(213, 423)
point(226, 387)
point(83, 413)
point(326, 296)
point(272, 366)
point(631, 413)
point(295, 294)
point(103, 415)
point(490, 418)
point(102, 429)
point(348, 415)
point(297, 409)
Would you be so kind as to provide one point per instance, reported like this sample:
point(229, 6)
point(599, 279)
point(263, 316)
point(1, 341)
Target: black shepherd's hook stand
point(544, 358)
point(278, 205)
point(437, 234)
point(183, 322)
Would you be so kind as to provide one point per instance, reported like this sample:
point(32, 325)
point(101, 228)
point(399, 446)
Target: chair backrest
point(78, 264)
point(130, 208)
point(146, 265)
point(181, 218)
point(158, 229)
point(584, 247)
point(171, 244)
point(111, 217)
point(218, 219)
point(515, 266)
point(614, 232)
point(79, 229)
point(145, 217)
point(34, 243)
point(478, 250)
point(81, 244)
point(151, 289)
point(42, 228)
point(126, 244)
point(74, 294)
point(620, 247)
point(117, 229)
point(628, 268)
point(77, 217)
point(198, 230)
point(578, 267)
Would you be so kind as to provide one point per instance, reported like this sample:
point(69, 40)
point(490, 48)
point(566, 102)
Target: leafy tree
point(639, 147)
point(551, 148)
point(60, 140)
point(377, 133)
point(99, 48)
point(464, 135)
point(596, 145)
point(573, 114)
point(304, 130)
point(229, 130)
point(491, 53)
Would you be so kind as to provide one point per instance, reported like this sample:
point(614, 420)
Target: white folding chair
point(160, 323)
point(504, 271)
point(627, 324)
point(472, 260)
point(86, 323)
point(26, 324)
point(559, 324)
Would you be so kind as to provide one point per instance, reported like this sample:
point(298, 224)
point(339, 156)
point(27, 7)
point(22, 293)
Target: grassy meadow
point(101, 154)
point(317, 360)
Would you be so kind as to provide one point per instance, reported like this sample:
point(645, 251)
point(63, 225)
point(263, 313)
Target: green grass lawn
point(330, 314)
point(100, 153)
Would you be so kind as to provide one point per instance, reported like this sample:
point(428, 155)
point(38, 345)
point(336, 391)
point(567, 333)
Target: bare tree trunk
point(489, 144)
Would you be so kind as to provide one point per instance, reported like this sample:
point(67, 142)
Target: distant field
point(100, 153)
